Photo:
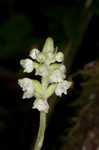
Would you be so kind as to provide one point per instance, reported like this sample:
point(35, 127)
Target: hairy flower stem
point(42, 127)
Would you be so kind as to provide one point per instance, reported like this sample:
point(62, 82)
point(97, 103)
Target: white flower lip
point(41, 105)
point(62, 87)
point(27, 64)
point(27, 86)
point(33, 53)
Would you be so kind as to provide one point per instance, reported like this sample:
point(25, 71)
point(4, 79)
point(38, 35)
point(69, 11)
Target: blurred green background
point(74, 26)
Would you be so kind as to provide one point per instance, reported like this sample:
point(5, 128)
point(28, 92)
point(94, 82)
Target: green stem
point(42, 127)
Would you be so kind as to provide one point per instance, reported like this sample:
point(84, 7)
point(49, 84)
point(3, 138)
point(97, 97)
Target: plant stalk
point(42, 127)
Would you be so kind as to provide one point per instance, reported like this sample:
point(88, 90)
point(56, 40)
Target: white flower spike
point(49, 65)
point(27, 86)
point(41, 105)
point(27, 64)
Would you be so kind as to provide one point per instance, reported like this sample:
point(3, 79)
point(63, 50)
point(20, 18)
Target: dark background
point(26, 24)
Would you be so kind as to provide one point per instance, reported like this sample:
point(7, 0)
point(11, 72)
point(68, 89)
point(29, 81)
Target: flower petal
point(27, 86)
point(27, 64)
point(33, 53)
point(41, 105)
point(62, 87)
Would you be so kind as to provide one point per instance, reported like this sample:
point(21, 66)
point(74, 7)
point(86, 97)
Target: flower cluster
point(49, 65)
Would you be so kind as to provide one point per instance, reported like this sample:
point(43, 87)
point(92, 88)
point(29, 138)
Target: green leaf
point(73, 23)
point(70, 19)
point(15, 37)
point(50, 90)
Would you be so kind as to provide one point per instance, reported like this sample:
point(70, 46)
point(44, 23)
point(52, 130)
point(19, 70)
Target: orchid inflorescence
point(48, 64)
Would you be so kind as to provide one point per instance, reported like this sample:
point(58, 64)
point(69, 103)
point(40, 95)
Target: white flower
point(27, 86)
point(33, 53)
point(59, 57)
point(58, 75)
point(62, 87)
point(27, 64)
point(41, 105)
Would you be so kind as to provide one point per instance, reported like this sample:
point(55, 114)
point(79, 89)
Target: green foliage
point(70, 19)
point(73, 24)
point(95, 7)
point(15, 37)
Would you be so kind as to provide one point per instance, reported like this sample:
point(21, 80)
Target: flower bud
point(59, 57)
point(49, 45)
point(33, 53)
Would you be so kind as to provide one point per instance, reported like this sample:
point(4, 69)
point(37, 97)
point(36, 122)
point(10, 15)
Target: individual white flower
point(27, 86)
point(27, 64)
point(62, 87)
point(33, 53)
point(58, 75)
point(41, 105)
point(59, 57)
